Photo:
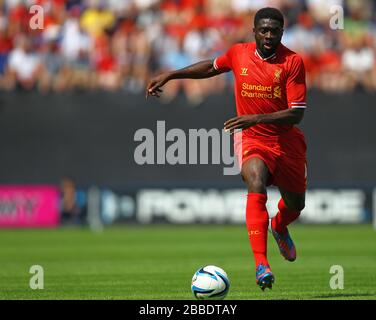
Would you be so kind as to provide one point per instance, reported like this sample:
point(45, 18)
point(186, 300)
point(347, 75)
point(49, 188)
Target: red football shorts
point(284, 155)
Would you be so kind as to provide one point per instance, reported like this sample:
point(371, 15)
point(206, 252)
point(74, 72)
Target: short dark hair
point(269, 13)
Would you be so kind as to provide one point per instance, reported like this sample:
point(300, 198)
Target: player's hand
point(242, 122)
point(155, 84)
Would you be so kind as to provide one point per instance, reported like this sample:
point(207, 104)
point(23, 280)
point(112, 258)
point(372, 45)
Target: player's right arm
point(200, 70)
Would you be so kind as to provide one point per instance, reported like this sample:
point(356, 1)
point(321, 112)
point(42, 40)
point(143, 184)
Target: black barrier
point(90, 136)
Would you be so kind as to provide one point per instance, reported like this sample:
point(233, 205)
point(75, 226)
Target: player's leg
point(255, 174)
point(290, 176)
point(289, 207)
point(293, 200)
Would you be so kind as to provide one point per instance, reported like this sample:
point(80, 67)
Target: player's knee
point(255, 181)
point(296, 204)
point(300, 206)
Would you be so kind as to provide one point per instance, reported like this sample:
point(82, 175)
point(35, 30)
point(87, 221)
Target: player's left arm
point(289, 116)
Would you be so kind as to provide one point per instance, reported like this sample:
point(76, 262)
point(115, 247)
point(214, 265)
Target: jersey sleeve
point(224, 62)
point(296, 84)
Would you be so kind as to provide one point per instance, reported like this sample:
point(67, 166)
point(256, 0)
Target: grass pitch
point(157, 262)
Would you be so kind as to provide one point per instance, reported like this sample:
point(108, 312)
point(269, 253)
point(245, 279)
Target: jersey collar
point(271, 57)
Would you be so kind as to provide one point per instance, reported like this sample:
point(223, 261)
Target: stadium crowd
point(118, 44)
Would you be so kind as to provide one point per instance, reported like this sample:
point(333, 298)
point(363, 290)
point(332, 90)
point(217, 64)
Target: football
point(210, 282)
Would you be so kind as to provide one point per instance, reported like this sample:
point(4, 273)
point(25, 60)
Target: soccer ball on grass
point(210, 282)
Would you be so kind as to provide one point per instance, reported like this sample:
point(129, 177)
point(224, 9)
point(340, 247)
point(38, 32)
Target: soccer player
point(270, 94)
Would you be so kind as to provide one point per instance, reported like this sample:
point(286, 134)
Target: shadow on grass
point(345, 295)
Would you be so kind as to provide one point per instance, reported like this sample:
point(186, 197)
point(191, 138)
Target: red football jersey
point(265, 85)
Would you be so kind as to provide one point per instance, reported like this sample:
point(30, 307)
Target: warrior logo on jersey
point(244, 72)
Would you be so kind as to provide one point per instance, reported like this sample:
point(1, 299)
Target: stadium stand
point(117, 45)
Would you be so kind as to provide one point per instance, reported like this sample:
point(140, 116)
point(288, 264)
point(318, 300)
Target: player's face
point(268, 35)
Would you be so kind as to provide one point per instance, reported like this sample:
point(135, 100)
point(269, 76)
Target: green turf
point(157, 262)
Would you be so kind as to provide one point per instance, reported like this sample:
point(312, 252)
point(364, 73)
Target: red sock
point(257, 220)
point(284, 217)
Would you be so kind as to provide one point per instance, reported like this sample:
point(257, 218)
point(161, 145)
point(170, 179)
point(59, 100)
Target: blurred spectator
point(358, 62)
point(96, 19)
point(76, 46)
point(74, 40)
point(24, 65)
point(6, 45)
point(118, 45)
point(106, 66)
point(176, 58)
point(53, 76)
point(140, 50)
point(73, 202)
